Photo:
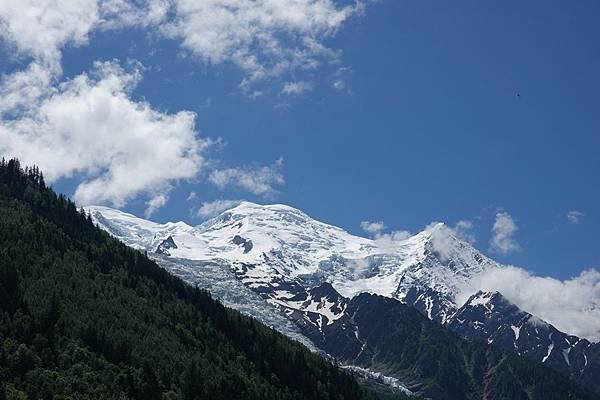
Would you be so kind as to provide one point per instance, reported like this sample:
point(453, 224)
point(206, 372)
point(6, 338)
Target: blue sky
point(417, 112)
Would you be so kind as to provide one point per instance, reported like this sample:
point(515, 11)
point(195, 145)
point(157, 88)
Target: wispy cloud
point(389, 241)
point(503, 232)
point(574, 216)
point(155, 203)
point(385, 241)
point(340, 84)
point(296, 88)
point(213, 208)
point(372, 227)
point(261, 181)
point(443, 237)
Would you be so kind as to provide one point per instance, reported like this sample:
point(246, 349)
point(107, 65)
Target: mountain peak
point(248, 206)
point(282, 241)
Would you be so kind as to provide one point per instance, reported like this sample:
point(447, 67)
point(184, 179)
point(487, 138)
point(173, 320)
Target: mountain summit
point(426, 270)
point(287, 267)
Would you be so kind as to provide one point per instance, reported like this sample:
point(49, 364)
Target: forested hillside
point(83, 316)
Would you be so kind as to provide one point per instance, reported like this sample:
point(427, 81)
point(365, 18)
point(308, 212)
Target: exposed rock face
point(490, 317)
point(165, 246)
point(246, 244)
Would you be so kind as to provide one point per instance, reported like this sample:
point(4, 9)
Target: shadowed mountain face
point(490, 317)
point(382, 334)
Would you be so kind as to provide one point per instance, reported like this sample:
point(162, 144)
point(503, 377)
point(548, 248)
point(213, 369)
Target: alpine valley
point(386, 309)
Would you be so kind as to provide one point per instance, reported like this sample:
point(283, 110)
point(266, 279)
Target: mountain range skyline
point(575, 312)
point(346, 295)
point(381, 112)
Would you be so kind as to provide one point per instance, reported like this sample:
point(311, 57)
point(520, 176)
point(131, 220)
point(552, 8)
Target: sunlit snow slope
point(284, 245)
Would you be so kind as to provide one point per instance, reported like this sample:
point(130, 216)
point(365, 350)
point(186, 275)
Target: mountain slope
point(490, 317)
point(281, 254)
point(83, 315)
point(382, 334)
point(309, 273)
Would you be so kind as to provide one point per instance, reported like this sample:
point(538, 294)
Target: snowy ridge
point(273, 246)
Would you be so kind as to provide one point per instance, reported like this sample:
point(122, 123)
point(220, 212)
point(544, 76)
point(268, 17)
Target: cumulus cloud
point(503, 232)
point(264, 38)
point(89, 125)
point(21, 89)
point(372, 227)
point(42, 28)
point(575, 216)
point(213, 208)
point(572, 305)
point(261, 181)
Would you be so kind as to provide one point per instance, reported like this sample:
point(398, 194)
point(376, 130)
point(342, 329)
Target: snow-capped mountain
point(300, 275)
point(272, 247)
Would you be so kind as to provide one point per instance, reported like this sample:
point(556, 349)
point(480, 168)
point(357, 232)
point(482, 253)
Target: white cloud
point(503, 232)
point(192, 196)
point(574, 216)
point(213, 208)
point(21, 89)
point(372, 227)
point(264, 38)
point(389, 241)
point(156, 202)
point(340, 84)
point(341, 79)
point(463, 230)
point(385, 241)
point(42, 28)
point(260, 181)
point(90, 126)
point(444, 238)
point(572, 305)
point(296, 88)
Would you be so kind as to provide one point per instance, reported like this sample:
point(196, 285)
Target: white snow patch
point(386, 380)
point(550, 348)
point(517, 331)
